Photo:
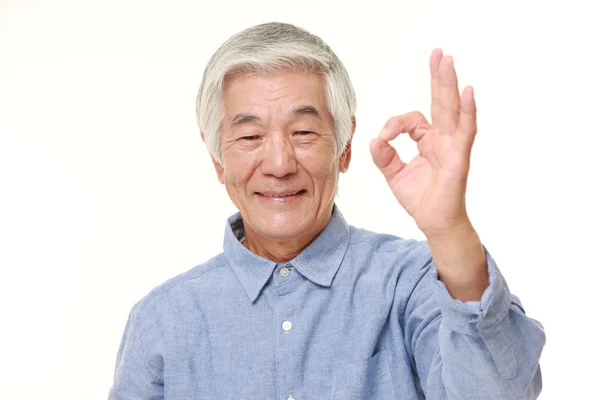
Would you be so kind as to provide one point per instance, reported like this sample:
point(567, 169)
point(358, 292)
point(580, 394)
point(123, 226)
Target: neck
point(279, 250)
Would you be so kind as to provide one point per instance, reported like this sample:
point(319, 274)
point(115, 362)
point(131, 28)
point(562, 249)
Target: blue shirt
point(356, 315)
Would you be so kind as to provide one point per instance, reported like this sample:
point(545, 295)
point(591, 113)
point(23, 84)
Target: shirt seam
point(149, 299)
point(379, 250)
point(154, 374)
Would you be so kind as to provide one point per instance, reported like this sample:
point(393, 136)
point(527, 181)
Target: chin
point(284, 226)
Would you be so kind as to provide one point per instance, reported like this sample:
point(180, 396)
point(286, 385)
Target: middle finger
point(434, 67)
point(448, 97)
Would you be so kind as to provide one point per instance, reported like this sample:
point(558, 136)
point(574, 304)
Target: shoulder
point(399, 260)
point(383, 243)
point(182, 285)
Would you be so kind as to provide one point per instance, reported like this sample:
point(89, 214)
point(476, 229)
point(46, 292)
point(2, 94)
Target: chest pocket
point(369, 379)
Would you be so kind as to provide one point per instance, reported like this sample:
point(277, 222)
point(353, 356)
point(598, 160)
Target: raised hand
point(432, 186)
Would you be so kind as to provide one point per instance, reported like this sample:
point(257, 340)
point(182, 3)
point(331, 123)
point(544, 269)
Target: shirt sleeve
point(487, 349)
point(133, 378)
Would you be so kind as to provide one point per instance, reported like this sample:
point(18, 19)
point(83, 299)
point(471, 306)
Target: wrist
point(460, 260)
point(459, 231)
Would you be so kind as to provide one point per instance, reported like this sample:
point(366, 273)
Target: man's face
point(278, 150)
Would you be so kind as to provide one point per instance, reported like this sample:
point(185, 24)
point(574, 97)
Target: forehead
point(281, 91)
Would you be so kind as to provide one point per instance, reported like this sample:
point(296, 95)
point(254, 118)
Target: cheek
point(320, 165)
point(238, 168)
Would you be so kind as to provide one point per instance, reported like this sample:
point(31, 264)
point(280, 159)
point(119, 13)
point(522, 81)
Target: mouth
point(281, 196)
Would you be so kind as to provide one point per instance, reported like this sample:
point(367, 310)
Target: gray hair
point(266, 49)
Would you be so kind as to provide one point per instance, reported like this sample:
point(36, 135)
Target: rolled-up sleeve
point(488, 349)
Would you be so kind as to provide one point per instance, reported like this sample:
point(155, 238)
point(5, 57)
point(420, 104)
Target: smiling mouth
point(279, 195)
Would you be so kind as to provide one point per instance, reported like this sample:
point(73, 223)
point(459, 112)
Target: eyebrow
point(306, 110)
point(241, 118)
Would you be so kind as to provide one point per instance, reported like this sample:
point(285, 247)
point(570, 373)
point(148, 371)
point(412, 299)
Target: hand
point(432, 186)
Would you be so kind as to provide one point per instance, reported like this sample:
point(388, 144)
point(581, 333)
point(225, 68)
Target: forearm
point(461, 263)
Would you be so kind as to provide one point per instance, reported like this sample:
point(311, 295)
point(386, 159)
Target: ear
point(218, 169)
point(347, 154)
point(216, 164)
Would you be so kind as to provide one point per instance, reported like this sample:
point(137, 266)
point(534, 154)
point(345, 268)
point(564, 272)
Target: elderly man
point(301, 305)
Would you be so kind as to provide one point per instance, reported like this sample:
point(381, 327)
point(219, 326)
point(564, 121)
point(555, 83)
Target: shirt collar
point(319, 262)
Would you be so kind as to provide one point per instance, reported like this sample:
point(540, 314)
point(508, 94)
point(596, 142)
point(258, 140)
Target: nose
point(279, 156)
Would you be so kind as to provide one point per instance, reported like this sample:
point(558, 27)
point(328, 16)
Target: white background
point(106, 189)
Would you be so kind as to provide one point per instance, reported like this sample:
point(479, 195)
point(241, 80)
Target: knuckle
point(418, 115)
point(389, 124)
point(447, 108)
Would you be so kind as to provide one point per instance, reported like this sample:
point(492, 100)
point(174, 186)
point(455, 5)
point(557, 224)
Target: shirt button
point(284, 272)
point(287, 325)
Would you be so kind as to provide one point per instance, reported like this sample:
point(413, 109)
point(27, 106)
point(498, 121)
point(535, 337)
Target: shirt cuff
point(473, 317)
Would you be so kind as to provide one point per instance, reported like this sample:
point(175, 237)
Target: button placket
point(286, 281)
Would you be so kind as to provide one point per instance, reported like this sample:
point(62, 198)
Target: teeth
point(280, 195)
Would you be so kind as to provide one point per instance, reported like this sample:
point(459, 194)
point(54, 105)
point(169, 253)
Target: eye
point(304, 133)
point(251, 137)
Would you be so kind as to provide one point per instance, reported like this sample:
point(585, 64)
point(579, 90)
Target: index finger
point(414, 123)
